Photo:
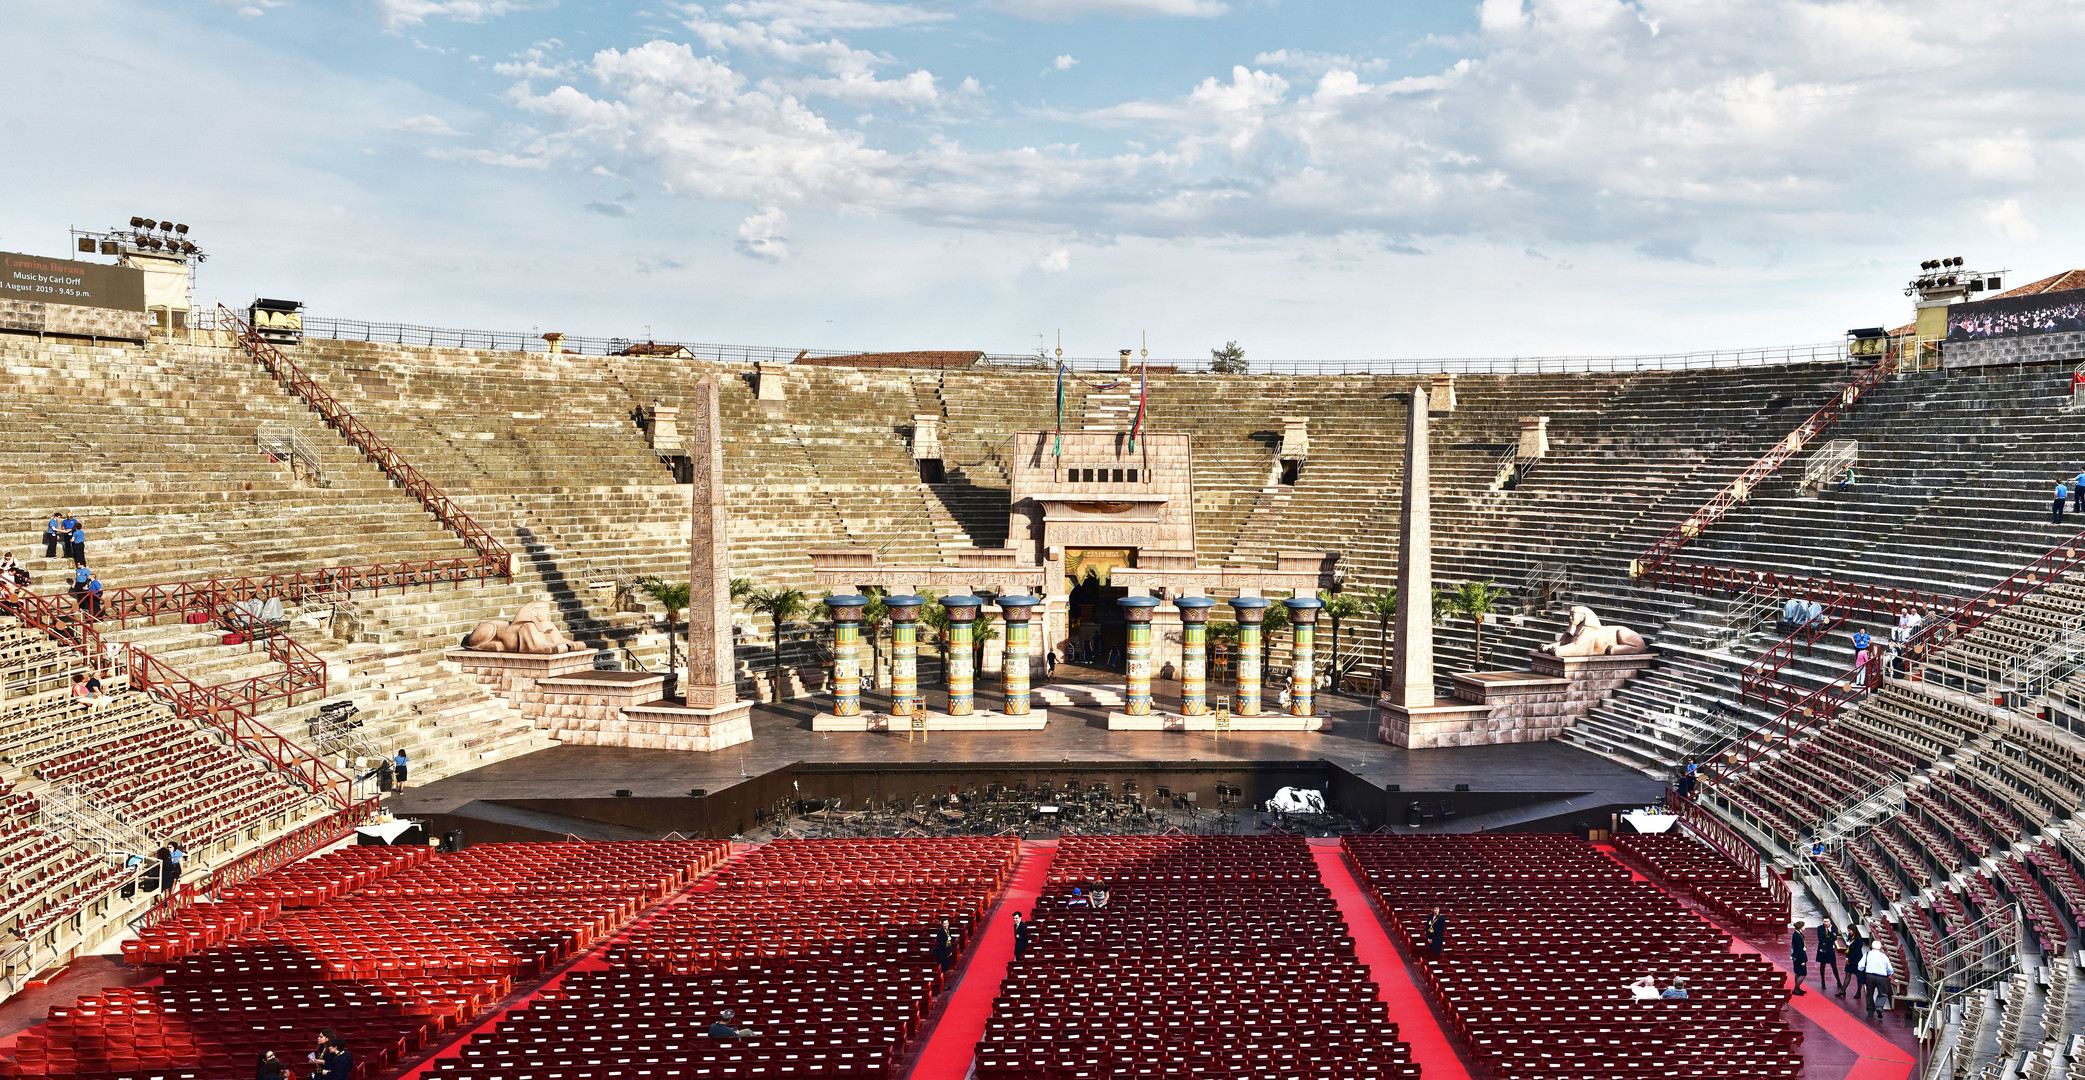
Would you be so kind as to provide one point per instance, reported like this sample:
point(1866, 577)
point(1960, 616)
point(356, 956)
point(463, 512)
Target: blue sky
point(1311, 178)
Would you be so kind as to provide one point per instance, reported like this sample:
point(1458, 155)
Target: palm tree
point(782, 606)
point(1475, 600)
point(674, 598)
point(980, 632)
point(1381, 603)
point(1338, 609)
point(1276, 620)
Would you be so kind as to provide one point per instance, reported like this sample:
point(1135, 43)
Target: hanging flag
point(1143, 393)
point(1059, 449)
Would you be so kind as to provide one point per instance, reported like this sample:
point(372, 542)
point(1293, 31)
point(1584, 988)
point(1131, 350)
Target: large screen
point(63, 281)
point(2045, 313)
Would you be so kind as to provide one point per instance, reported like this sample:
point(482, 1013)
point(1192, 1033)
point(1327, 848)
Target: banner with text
point(2046, 313)
point(38, 279)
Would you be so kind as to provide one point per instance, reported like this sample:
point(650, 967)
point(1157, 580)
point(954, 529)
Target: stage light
point(166, 226)
point(87, 244)
point(137, 223)
point(187, 247)
point(110, 247)
point(1991, 283)
point(182, 229)
point(147, 223)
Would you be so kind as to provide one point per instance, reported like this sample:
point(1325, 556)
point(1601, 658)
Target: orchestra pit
point(541, 707)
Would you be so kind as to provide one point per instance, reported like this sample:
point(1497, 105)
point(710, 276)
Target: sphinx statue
point(1587, 637)
point(533, 629)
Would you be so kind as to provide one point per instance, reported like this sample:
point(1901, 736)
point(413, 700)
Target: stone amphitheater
point(1929, 799)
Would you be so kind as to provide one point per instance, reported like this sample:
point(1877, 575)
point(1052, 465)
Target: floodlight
point(87, 244)
point(149, 223)
point(137, 223)
point(182, 229)
point(1991, 283)
point(110, 247)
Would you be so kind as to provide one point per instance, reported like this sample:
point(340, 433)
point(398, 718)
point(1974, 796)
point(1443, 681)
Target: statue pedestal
point(1447, 722)
point(981, 720)
point(1520, 706)
point(511, 675)
point(1160, 720)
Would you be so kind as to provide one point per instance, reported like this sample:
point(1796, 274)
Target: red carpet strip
point(952, 1045)
point(1416, 1023)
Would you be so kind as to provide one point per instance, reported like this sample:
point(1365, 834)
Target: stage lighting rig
point(1944, 279)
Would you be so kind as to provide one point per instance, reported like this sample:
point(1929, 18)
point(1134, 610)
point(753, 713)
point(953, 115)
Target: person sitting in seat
point(1678, 990)
point(722, 1029)
point(1077, 898)
point(1100, 896)
point(12, 572)
point(1646, 988)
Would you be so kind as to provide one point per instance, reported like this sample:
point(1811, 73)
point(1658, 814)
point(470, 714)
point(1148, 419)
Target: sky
point(1312, 179)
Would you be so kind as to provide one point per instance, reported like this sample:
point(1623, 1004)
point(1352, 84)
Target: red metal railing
point(491, 552)
point(229, 708)
point(1825, 702)
point(148, 602)
point(1661, 552)
point(1762, 675)
point(1850, 597)
point(1726, 842)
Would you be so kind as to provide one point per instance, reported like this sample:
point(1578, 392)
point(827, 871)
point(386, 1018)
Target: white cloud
point(1065, 62)
point(424, 124)
point(1317, 63)
point(1052, 10)
point(760, 235)
point(1501, 16)
point(394, 14)
point(850, 71)
point(618, 207)
point(1056, 262)
point(824, 14)
point(250, 9)
point(2006, 219)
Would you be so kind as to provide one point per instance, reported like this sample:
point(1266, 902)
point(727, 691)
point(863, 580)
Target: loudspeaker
point(622, 793)
point(1462, 787)
point(696, 792)
point(1393, 787)
point(452, 841)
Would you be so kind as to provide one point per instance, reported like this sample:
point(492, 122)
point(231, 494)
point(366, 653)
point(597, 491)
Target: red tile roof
point(2069, 279)
point(961, 359)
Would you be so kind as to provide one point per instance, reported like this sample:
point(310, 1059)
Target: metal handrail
point(1831, 461)
point(531, 341)
point(1763, 673)
point(1846, 596)
point(1738, 490)
point(363, 438)
point(280, 440)
point(229, 708)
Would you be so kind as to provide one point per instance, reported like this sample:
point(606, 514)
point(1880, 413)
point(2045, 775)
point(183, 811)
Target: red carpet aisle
point(953, 1044)
point(1416, 1023)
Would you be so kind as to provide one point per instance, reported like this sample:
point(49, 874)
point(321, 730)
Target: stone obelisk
point(712, 682)
point(1411, 657)
point(1409, 713)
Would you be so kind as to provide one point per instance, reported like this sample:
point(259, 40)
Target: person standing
point(1020, 936)
point(1876, 967)
point(944, 946)
point(2078, 491)
point(1861, 642)
point(54, 533)
point(1856, 948)
point(1050, 664)
point(79, 544)
point(270, 1067)
point(1799, 959)
point(1436, 931)
point(2056, 508)
point(93, 599)
point(1827, 956)
point(337, 1064)
point(399, 766)
point(172, 872)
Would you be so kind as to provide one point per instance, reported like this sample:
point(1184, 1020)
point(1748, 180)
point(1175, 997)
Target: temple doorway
point(1098, 633)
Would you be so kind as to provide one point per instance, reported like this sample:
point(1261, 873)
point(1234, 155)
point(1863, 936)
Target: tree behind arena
point(1229, 360)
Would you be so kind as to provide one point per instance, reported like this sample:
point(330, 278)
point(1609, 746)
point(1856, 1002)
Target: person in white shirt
point(1876, 972)
point(1645, 989)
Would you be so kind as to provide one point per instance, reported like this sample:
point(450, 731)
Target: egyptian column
point(1015, 611)
point(847, 653)
point(1137, 668)
point(1250, 610)
point(1194, 653)
point(904, 651)
point(712, 682)
point(1303, 672)
point(962, 690)
point(1411, 657)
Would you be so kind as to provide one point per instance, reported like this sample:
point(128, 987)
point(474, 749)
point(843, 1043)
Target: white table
point(388, 831)
point(1651, 823)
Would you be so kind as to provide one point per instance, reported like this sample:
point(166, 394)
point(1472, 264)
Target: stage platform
point(573, 789)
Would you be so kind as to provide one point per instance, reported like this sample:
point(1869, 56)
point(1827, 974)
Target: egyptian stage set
point(1100, 561)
